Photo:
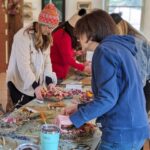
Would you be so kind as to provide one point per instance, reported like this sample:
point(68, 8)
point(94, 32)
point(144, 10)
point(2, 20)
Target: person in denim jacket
point(142, 55)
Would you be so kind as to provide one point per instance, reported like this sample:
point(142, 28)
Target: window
point(130, 10)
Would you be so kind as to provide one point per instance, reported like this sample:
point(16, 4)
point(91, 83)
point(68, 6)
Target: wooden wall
point(15, 22)
point(9, 25)
point(3, 38)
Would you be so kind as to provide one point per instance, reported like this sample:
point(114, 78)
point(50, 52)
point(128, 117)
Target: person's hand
point(51, 87)
point(62, 120)
point(39, 92)
point(69, 110)
point(55, 90)
point(88, 67)
point(80, 52)
point(87, 63)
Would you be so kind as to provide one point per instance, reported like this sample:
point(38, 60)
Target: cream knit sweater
point(27, 65)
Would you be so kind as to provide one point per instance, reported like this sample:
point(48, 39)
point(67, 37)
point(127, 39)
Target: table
point(29, 130)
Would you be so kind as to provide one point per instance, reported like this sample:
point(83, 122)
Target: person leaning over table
point(29, 67)
point(143, 52)
point(63, 48)
point(119, 102)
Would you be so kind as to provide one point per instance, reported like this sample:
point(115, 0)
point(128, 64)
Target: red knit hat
point(49, 15)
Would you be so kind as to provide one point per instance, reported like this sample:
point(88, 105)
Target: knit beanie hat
point(49, 15)
point(73, 20)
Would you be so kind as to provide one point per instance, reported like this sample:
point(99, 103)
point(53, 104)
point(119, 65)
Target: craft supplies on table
point(28, 123)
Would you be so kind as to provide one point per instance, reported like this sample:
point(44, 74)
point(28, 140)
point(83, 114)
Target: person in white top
point(29, 69)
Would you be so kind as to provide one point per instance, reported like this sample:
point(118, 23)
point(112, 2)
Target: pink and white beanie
point(49, 15)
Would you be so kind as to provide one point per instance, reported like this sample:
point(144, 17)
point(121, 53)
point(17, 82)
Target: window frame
point(107, 6)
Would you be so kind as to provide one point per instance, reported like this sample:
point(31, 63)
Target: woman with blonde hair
point(29, 69)
point(125, 27)
point(143, 52)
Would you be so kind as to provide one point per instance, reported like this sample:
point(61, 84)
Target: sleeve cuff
point(77, 119)
point(48, 80)
point(35, 85)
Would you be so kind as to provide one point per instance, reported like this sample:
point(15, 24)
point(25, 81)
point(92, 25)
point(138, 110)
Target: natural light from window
point(130, 10)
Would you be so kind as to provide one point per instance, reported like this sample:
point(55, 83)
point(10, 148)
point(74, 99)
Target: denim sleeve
point(142, 57)
point(107, 96)
point(148, 57)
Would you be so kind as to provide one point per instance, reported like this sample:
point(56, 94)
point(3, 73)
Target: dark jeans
point(103, 145)
point(19, 99)
point(147, 95)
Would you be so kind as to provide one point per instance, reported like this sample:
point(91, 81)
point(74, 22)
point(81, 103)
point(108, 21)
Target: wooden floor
point(3, 90)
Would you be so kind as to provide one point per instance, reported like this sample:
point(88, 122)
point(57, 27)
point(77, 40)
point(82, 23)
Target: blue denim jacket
point(143, 59)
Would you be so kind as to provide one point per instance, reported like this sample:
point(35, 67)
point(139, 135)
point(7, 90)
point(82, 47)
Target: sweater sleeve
point(67, 52)
point(48, 72)
point(21, 46)
point(104, 80)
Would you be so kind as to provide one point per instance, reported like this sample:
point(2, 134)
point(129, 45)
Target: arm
point(21, 46)
point(67, 52)
point(148, 57)
point(107, 92)
point(143, 59)
point(49, 75)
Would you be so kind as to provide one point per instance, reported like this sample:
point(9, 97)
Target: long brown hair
point(125, 27)
point(40, 41)
point(96, 25)
point(135, 32)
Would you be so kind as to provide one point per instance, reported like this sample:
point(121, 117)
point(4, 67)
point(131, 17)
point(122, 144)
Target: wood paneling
point(15, 22)
point(3, 38)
